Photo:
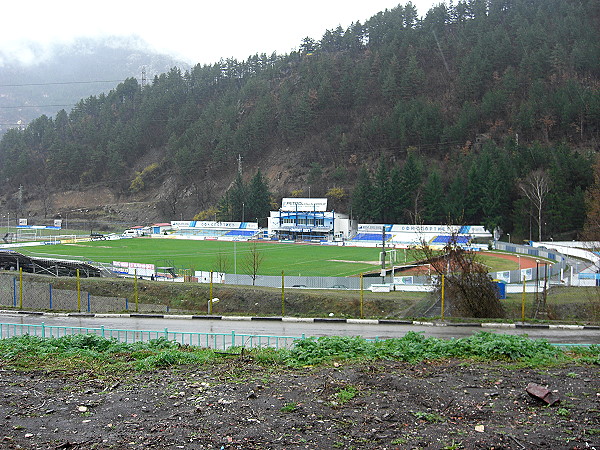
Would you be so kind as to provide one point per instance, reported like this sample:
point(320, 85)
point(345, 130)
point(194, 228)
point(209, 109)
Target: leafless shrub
point(468, 287)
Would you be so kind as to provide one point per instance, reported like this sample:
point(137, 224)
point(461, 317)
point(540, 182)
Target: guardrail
point(220, 341)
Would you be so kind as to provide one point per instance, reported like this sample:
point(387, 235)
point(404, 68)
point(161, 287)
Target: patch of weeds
point(563, 412)
point(453, 446)
point(289, 407)
point(346, 394)
point(344, 423)
point(573, 375)
point(429, 417)
point(399, 441)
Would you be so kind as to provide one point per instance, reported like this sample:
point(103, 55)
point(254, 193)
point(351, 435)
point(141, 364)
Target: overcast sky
point(196, 31)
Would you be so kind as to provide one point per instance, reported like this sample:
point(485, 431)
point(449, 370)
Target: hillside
point(397, 119)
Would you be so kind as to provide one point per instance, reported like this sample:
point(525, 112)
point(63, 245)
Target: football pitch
point(229, 257)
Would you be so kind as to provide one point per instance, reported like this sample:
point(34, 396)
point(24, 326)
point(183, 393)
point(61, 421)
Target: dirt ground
point(238, 404)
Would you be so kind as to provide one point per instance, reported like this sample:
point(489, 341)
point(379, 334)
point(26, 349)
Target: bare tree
point(536, 187)
point(222, 262)
point(469, 289)
point(252, 262)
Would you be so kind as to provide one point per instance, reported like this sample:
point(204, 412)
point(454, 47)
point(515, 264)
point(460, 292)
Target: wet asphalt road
point(297, 329)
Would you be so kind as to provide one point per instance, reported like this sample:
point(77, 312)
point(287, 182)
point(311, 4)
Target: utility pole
point(143, 77)
point(239, 164)
point(19, 212)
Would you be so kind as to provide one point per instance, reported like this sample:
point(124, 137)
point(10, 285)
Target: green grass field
point(294, 259)
point(230, 257)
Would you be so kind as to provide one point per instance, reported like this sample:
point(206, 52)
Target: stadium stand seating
point(444, 239)
point(241, 233)
point(212, 233)
point(370, 237)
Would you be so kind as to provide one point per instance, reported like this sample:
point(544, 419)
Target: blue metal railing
point(209, 340)
point(216, 341)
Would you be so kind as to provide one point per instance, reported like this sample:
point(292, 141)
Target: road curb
point(573, 327)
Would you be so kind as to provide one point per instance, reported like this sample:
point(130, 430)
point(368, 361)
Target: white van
point(131, 233)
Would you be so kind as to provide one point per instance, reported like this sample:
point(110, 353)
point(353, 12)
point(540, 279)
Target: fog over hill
point(36, 79)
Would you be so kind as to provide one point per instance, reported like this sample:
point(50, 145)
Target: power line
point(37, 106)
point(60, 83)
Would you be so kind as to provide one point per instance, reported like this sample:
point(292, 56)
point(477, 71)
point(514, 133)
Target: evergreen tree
point(395, 210)
point(381, 204)
point(412, 177)
point(258, 198)
point(455, 199)
point(362, 197)
point(433, 199)
point(238, 199)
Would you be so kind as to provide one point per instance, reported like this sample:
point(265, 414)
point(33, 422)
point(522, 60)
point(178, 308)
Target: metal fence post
point(210, 293)
point(361, 297)
point(50, 289)
point(442, 315)
point(20, 288)
point(88, 303)
point(523, 302)
point(232, 339)
point(282, 294)
point(14, 292)
point(135, 289)
point(78, 292)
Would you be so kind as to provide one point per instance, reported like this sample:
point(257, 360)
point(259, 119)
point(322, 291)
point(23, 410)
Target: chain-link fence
point(32, 295)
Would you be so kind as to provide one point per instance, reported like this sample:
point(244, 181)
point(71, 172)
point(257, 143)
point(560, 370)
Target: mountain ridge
point(395, 120)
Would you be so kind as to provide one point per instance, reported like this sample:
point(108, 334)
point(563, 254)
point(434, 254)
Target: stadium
point(339, 250)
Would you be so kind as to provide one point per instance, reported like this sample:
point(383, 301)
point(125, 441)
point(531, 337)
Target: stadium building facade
point(307, 219)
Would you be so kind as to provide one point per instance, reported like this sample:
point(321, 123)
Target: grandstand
point(241, 233)
point(409, 235)
point(215, 230)
point(10, 260)
point(446, 239)
point(371, 237)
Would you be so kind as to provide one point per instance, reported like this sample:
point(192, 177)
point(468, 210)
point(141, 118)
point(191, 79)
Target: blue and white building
point(307, 219)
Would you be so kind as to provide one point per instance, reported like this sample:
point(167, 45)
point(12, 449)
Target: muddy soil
point(238, 404)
